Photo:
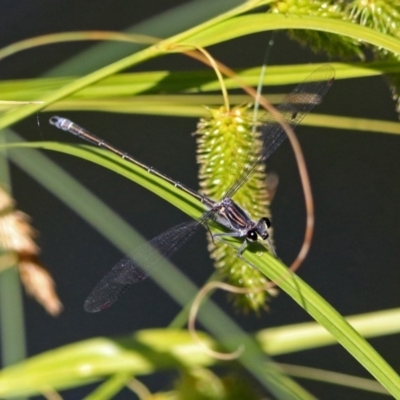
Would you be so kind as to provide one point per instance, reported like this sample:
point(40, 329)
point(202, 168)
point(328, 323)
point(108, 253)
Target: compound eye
point(267, 222)
point(252, 235)
point(265, 236)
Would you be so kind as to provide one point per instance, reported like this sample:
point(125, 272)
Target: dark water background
point(354, 260)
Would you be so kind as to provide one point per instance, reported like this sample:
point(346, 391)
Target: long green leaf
point(155, 82)
point(146, 352)
point(169, 278)
point(304, 295)
point(158, 186)
point(248, 24)
point(149, 351)
point(111, 69)
point(219, 29)
point(309, 335)
point(330, 319)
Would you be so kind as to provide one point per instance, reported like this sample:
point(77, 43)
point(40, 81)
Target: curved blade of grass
point(158, 186)
point(169, 278)
point(85, 362)
point(211, 33)
point(110, 387)
point(309, 335)
point(149, 351)
point(335, 378)
point(296, 73)
point(315, 120)
point(304, 295)
point(352, 123)
point(161, 25)
point(146, 352)
point(194, 81)
point(134, 59)
point(164, 24)
point(330, 319)
point(141, 105)
point(282, 75)
point(214, 31)
point(56, 38)
point(248, 24)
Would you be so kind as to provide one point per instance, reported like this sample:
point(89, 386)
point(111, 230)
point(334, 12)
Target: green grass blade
point(352, 123)
point(168, 277)
point(110, 387)
point(248, 24)
point(155, 82)
point(158, 186)
point(330, 319)
point(189, 105)
point(321, 311)
point(149, 351)
point(214, 31)
point(309, 335)
point(12, 327)
point(162, 25)
point(335, 378)
point(111, 69)
point(12, 322)
point(75, 365)
point(189, 110)
point(146, 352)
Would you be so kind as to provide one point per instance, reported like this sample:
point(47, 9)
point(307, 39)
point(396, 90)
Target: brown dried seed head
point(39, 284)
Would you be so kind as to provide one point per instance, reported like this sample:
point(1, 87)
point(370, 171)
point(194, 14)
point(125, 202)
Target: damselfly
point(226, 212)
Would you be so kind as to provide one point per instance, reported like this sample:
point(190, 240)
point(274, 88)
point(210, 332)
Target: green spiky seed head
point(331, 44)
point(381, 15)
point(226, 144)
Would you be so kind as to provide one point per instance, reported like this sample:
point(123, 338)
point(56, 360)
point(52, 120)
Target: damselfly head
point(261, 228)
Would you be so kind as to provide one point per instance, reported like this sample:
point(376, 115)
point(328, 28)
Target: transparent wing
point(294, 108)
point(127, 272)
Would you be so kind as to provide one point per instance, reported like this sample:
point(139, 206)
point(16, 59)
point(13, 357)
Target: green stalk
point(12, 321)
point(118, 232)
point(272, 268)
point(135, 59)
